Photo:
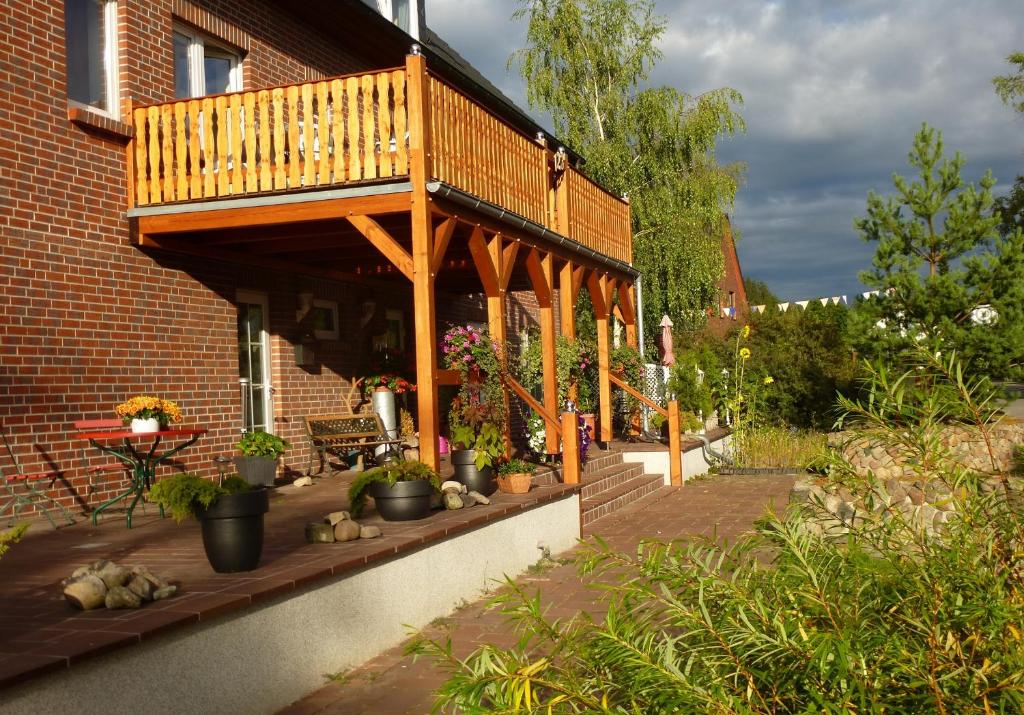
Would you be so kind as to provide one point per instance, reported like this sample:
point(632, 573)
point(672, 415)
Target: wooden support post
point(627, 305)
point(422, 261)
point(570, 448)
point(598, 286)
point(567, 291)
point(541, 270)
point(496, 322)
point(675, 450)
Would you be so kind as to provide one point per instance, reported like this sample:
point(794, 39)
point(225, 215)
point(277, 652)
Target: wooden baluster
point(167, 150)
point(280, 174)
point(402, 126)
point(252, 166)
point(180, 151)
point(195, 153)
point(141, 158)
point(369, 140)
point(263, 152)
point(236, 130)
point(384, 124)
point(308, 147)
point(355, 149)
point(155, 176)
point(338, 129)
point(208, 147)
point(323, 135)
point(223, 185)
point(294, 150)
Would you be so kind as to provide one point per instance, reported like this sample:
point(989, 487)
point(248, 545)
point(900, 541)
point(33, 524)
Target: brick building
point(228, 204)
point(733, 307)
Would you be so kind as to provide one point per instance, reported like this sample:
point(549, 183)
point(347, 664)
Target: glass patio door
point(254, 363)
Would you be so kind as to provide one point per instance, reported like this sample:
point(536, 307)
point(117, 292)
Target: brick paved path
point(392, 684)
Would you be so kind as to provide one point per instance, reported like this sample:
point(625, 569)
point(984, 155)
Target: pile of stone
point(107, 584)
point(925, 504)
point(455, 495)
point(339, 526)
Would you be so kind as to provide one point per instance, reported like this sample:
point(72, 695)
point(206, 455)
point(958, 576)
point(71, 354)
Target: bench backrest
point(344, 427)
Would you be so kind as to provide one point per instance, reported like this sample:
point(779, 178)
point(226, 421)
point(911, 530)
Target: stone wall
point(965, 444)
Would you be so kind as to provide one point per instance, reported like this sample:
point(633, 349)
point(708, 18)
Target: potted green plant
point(260, 452)
point(477, 417)
point(515, 476)
point(401, 491)
point(231, 515)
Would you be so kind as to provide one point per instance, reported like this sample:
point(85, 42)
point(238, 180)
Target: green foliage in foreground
point(183, 494)
point(761, 447)
point(893, 618)
point(11, 536)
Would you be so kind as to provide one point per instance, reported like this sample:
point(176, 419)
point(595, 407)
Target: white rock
point(335, 516)
point(459, 487)
point(303, 482)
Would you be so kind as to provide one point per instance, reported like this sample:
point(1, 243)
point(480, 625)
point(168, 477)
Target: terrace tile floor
point(393, 684)
point(40, 632)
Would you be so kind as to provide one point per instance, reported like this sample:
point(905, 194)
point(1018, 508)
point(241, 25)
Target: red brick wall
point(732, 281)
point(86, 319)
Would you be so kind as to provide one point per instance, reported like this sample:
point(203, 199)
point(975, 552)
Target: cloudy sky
point(834, 92)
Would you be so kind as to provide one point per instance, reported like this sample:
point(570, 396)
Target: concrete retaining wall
point(265, 658)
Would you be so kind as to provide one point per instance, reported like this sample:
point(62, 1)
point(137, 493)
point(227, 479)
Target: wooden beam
point(598, 286)
point(570, 448)
point(542, 286)
point(442, 235)
point(508, 263)
point(384, 242)
point(422, 261)
point(567, 300)
point(628, 304)
point(273, 215)
point(675, 451)
point(541, 269)
point(483, 261)
point(496, 317)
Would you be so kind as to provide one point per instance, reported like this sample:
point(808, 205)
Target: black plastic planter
point(466, 472)
point(405, 501)
point(233, 531)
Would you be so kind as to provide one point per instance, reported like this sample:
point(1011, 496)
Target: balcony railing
point(356, 129)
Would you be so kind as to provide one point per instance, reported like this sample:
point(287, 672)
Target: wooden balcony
point(355, 130)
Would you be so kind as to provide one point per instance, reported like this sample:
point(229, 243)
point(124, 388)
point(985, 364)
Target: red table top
point(128, 434)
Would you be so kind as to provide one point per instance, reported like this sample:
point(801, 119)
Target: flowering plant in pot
point(146, 413)
point(260, 452)
point(401, 491)
point(478, 416)
point(515, 476)
point(231, 515)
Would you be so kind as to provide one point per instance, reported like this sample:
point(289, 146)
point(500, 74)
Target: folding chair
point(98, 426)
point(29, 494)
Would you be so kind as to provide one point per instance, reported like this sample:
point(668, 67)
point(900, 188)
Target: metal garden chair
point(23, 489)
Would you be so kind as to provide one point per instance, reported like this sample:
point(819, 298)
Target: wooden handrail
point(532, 403)
point(675, 446)
point(643, 398)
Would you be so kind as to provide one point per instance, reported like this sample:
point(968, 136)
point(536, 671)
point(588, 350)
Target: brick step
point(599, 459)
point(628, 511)
point(611, 500)
point(609, 478)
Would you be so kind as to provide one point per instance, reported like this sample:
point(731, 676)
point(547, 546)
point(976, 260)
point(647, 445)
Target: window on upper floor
point(90, 34)
point(401, 12)
point(202, 66)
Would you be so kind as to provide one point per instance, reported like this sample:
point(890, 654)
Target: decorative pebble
point(369, 532)
point(347, 530)
point(303, 482)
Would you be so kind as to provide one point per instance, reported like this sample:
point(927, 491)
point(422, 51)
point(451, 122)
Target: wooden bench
point(340, 434)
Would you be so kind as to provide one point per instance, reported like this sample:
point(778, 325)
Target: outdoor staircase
point(609, 483)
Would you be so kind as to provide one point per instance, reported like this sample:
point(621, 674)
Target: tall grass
point(764, 447)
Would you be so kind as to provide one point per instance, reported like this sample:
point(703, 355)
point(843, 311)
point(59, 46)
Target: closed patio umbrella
point(668, 357)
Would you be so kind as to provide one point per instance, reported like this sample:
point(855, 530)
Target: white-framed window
point(90, 35)
point(325, 319)
point(401, 12)
point(254, 365)
point(203, 66)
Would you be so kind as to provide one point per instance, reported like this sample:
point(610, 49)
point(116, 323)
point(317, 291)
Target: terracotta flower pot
point(515, 483)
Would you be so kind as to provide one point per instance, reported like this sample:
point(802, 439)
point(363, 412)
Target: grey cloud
point(834, 92)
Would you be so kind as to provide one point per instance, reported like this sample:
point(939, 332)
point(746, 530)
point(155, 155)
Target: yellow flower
point(769, 380)
point(746, 332)
point(744, 353)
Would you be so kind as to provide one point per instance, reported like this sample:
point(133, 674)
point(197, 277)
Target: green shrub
point(262, 444)
point(11, 536)
point(761, 447)
point(183, 494)
point(390, 473)
point(893, 618)
point(516, 466)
